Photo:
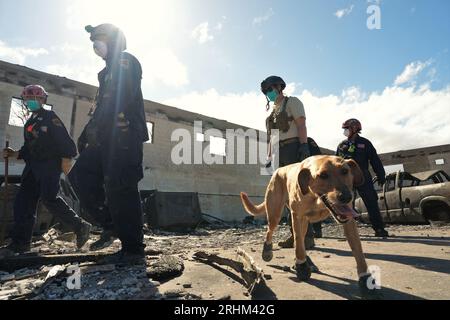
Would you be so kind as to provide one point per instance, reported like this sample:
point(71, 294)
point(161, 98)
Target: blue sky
point(210, 56)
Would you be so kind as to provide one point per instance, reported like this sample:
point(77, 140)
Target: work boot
point(83, 234)
point(382, 233)
point(106, 239)
point(303, 271)
point(125, 258)
point(13, 249)
point(288, 243)
point(312, 266)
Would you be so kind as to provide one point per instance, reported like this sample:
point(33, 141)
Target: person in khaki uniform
point(288, 116)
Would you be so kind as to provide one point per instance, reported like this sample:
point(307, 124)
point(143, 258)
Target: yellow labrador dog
point(312, 190)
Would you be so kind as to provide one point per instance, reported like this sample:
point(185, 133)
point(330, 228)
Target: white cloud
point(396, 118)
point(411, 71)
point(86, 74)
point(344, 12)
point(259, 20)
point(162, 65)
point(201, 33)
point(19, 55)
point(219, 26)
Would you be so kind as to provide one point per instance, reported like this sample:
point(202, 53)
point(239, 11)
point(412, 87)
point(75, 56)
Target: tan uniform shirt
point(295, 109)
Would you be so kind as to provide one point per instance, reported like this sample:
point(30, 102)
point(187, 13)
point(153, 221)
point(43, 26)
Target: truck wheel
point(440, 218)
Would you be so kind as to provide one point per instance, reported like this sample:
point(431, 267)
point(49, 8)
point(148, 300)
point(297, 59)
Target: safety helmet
point(272, 81)
point(114, 36)
point(34, 91)
point(354, 124)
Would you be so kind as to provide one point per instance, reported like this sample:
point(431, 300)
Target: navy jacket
point(363, 152)
point(120, 97)
point(46, 138)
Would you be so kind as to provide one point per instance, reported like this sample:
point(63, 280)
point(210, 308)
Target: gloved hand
point(303, 152)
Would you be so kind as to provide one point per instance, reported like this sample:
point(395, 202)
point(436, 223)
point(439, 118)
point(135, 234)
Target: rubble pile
point(168, 251)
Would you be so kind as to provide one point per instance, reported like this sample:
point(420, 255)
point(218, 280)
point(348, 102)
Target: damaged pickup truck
point(412, 198)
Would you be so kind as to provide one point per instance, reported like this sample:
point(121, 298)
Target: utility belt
point(288, 141)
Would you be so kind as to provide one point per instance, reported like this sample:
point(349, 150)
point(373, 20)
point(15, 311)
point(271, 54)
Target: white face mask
point(347, 133)
point(101, 49)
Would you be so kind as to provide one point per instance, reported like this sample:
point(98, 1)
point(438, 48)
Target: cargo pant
point(370, 198)
point(115, 166)
point(40, 181)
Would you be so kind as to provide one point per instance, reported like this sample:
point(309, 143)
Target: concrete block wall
point(218, 185)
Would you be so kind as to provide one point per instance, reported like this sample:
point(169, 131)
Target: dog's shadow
point(349, 290)
point(423, 263)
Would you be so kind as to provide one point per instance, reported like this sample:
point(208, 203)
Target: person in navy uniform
point(111, 145)
point(48, 151)
point(362, 151)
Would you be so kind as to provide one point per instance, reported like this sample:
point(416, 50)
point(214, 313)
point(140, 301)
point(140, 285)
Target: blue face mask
point(33, 105)
point(272, 95)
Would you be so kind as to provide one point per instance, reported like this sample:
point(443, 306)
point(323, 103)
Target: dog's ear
point(304, 179)
point(358, 176)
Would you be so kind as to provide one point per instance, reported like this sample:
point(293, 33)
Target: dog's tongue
point(347, 211)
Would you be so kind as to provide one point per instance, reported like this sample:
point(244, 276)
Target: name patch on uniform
point(44, 129)
point(361, 146)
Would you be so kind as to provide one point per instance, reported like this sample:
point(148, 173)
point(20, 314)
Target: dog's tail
point(257, 210)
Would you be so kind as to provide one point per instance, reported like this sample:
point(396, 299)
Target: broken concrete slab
point(167, 267)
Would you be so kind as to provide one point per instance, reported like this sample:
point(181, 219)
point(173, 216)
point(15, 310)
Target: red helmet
point(34, 91)
point(353, 124)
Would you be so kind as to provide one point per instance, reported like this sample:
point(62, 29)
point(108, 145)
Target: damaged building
point(72, 101)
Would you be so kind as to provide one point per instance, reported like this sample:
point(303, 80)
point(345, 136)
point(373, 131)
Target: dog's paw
point(366, 291)
point(267, 253)
point(303, 271)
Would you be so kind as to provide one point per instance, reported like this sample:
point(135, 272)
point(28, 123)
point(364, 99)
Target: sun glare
point(152, 18)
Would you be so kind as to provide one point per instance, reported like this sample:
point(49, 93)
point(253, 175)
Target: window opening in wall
point(19, 114)
point(150, 130)
point(217, 146)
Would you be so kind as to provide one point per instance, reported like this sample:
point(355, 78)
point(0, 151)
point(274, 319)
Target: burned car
point(412, 198)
